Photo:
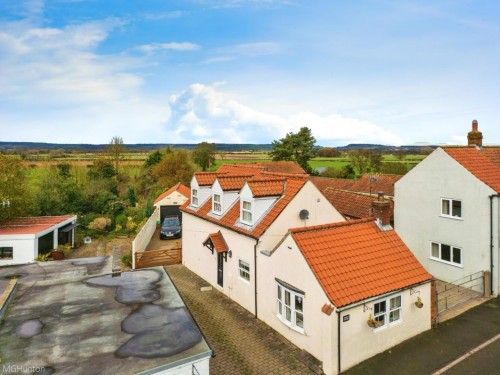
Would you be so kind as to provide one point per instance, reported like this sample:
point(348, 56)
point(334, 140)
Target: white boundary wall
point(144, 236)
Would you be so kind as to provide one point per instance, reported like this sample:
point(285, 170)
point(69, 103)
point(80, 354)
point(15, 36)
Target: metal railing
point(459, 291)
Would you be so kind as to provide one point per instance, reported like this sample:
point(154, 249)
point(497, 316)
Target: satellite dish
point(304, 214)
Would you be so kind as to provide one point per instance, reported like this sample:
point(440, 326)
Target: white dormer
point(253, 208)
point(199, 194)
point(222, 199)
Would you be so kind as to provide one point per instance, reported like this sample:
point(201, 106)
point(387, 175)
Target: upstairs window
point(446, 253)
point(217, 206)
point(194, 197)
point(246, 212)
point(388, 311)
point(6, 252)
point(451, 208)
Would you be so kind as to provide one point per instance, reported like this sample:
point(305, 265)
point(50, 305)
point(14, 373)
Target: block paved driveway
point(242, 344)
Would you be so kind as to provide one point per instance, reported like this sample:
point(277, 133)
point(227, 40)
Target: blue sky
point(249, 71)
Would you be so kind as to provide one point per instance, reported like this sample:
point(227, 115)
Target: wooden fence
point(155, 258)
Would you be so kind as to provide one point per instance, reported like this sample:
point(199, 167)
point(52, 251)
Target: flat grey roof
point(74, 317)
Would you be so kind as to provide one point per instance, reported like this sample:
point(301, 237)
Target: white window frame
point(244, 269)
point(282, 307)
point(386, 315)
point(439, 257)
point(449, 214)
point(217, 205)
point(245, 210)
point(194, 197)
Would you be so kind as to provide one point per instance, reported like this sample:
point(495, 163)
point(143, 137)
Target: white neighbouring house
point(23, 239)
point(447, 211)
point(237, 237)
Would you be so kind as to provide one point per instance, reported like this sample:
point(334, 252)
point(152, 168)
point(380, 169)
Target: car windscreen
point(171, 223)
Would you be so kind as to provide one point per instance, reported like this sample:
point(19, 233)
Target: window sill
point(446, 262)
point(459, 218)
point(244, 280)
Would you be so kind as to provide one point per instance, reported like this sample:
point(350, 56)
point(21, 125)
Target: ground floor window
point(388, 311)
point(446, 253)
point(244, 269)
point(290, 307)
point(6, 252)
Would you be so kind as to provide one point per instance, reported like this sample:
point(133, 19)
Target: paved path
point(435, 349)
point(243, 344)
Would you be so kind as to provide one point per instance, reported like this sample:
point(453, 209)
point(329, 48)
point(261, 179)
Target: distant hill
point(227, 147)
point(134, 147)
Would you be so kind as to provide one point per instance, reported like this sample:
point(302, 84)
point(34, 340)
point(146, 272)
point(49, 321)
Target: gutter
point(491, 240)
point(255, 273)
point(339, 372)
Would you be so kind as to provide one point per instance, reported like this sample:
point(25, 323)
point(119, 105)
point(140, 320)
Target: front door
point(220, 269)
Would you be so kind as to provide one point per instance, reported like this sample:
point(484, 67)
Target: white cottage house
point(23, 239)
point(344, 291)
point(447, 211)
point(168, 202)
point(237, 237)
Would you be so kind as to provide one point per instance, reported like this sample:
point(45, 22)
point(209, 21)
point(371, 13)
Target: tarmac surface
point(443, 344)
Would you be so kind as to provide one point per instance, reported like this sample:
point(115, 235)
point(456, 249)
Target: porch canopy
point(216, 241)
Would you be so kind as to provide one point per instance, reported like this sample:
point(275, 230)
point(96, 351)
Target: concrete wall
point(418, 219)
point(142, 238)
point(202, 366)
point(25, 248)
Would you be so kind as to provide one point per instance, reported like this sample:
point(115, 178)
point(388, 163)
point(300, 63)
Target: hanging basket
point(373, 323)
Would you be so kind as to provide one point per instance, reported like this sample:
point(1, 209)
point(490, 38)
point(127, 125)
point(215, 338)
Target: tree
point(174, 167)
point(328, 152)
point(394, 168)
point(365, 160)
point(204, 155)
point(153, 158)
point(115, 151)
point(296, 147)
point(101, 168)
point(15, 197)
point(347, 171)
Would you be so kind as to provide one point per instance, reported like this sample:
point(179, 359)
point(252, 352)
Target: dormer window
point(194, 197)
point(216, 204)
point(246, 212)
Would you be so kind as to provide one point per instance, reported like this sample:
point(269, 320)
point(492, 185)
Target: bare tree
point(116, 151)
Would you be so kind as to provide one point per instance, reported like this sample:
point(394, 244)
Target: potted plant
point(372, 322)
point(419, 303)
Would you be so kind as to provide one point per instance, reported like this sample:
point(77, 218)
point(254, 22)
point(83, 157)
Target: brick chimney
point(475, 137)
point(381, 209)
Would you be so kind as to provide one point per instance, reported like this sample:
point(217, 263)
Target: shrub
point(127, 259)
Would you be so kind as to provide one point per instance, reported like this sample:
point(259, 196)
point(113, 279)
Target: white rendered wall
point(418, 219)
point(360, 342)
point(143, 238)
point(201, 261)
point(25, 248)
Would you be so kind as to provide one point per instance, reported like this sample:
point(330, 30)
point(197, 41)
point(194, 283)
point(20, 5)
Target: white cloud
point(174, 46)
point(161, 16)
point(201, 113)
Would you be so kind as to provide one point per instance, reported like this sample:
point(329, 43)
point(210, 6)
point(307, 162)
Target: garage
point(169, 211)
point(170, 201)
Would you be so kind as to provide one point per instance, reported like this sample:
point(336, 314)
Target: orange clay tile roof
point(219, 242)
point(336, 183)
point(31, 225)
point(484, 164)
point(184, 190)
point(355, 260)
point(230, 182)
point(352, 204)
point(287, 167)
point(206, 178)
point(381, 182)
point(267, 188)
point(231, 218)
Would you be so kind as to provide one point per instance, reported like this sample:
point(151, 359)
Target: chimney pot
point(475, 137)
point(474, 125)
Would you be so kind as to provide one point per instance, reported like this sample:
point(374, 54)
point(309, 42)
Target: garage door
point(169, 211)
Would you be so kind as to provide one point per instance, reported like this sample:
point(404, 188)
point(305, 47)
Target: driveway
point(156, 243)
point(243, 344)
point(435, 349)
